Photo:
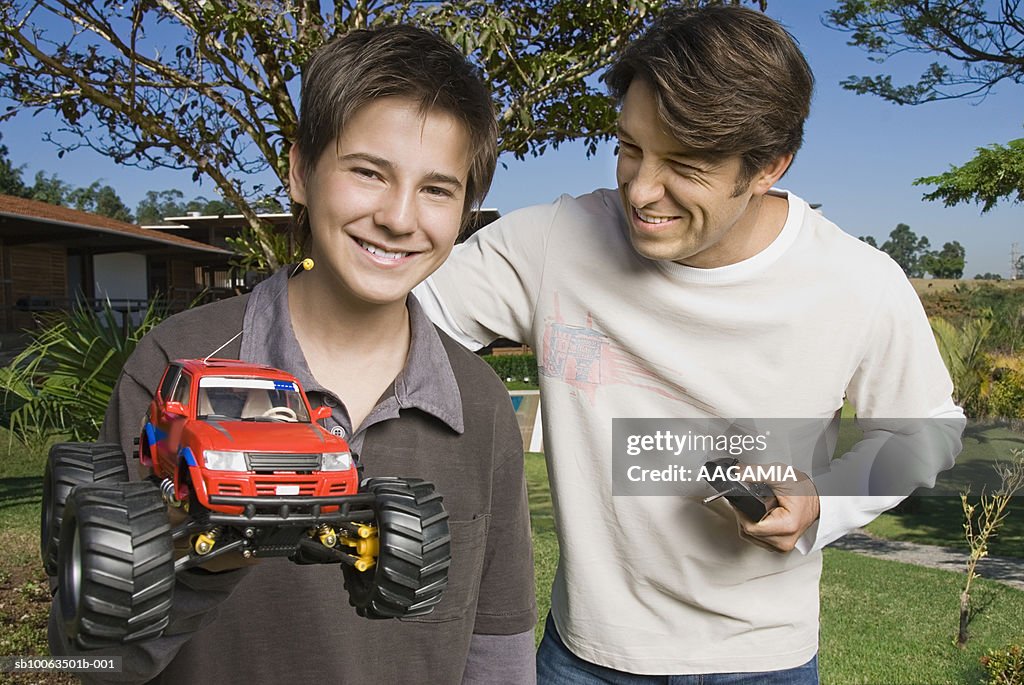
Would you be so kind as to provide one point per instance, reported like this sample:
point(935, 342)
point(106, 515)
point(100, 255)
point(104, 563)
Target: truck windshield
point(250, 399)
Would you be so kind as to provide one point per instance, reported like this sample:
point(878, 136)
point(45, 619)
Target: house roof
point(24, 222)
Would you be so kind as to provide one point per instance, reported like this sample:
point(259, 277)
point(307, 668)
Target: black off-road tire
point(116, 571)
point(71, 464)
point(415, 552)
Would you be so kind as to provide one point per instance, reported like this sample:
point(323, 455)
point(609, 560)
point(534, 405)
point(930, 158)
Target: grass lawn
point(937, 519)
point(882, 622)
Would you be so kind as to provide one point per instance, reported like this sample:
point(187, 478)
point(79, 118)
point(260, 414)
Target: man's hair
point(729, 80)
point(353, 70)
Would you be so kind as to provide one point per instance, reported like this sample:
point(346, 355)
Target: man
point(396, 143)
point(698, 291)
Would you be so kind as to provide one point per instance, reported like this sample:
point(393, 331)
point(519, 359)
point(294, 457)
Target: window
point(168, 382)
point(181, 390)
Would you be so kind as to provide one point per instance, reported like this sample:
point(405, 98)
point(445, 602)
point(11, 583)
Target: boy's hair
point(729, 80)
point(354, 69)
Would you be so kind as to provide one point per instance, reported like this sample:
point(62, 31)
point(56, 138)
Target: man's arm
point(902, 394)
point(488, 287)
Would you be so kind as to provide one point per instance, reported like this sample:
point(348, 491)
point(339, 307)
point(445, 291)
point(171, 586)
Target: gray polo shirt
point(426, 383)
point(278, 622)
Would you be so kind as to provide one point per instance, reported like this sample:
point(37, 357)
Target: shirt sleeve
point(911, 427)
point(488, 287)
point(501, 660)
point(506, 602)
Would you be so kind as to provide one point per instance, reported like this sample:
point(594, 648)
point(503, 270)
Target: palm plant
point(61, 383)
point(968, 364)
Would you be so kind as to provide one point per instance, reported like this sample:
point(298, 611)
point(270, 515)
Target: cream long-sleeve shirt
point(662, 585)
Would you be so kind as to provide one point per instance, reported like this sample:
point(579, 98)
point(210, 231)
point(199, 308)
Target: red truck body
point(258, 423)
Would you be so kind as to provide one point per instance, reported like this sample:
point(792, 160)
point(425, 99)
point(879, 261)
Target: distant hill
point(924, 286)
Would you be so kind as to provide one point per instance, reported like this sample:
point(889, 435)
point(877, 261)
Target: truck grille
point(272, 463)
point(307, 489)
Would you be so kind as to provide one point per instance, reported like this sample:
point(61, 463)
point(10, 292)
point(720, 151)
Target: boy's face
point(385, 200)
point(679, 206)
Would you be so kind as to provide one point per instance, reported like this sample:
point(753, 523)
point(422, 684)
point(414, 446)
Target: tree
point(208, 85)
point(996, 172)
point(978, 43)
point(157, 205)
point(869, 239)
point(907, 250)
point(212, 207)
point(10, 175)
point(102, 200)
point(49, 189)
point(988, 276)
point(946, 263)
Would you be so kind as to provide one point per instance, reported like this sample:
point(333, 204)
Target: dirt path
point(1008, 570)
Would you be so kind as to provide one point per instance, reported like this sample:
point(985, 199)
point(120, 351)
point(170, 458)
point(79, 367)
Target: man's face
point(385, 200)
point(680, 206)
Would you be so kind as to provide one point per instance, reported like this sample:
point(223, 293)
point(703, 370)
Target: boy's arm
point(197, 593)
point(502, 648)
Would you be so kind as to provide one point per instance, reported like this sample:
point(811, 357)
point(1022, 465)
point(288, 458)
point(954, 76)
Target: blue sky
point(860, 156)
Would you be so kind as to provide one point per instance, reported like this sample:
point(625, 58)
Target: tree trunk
point(965, 615)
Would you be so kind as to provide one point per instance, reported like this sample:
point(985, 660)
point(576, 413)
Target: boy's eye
point(366, 173)
point(438, 191)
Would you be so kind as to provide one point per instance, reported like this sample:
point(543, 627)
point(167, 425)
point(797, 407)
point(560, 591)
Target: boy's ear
point(296, 182)
point(767, 177)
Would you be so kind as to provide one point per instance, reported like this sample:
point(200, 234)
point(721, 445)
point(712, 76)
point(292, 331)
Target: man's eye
point(685, 169)
point(365, 173)
point(438, 191)
point(629, 149)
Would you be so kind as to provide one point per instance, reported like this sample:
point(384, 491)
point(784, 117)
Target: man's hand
point(798, 508)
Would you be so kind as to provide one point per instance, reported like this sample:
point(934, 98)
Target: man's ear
point(296, 177)
point(767, 177)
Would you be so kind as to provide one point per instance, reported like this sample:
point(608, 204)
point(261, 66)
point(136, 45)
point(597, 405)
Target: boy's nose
point(397, 212)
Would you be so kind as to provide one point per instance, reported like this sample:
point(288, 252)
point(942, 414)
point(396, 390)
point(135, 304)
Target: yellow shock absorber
point(367, 547)
point(204, 542)
point(328, 538)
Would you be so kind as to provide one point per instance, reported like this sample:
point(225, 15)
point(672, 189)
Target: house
point(52, 257)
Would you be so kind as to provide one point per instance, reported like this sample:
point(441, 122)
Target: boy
point(396, 143)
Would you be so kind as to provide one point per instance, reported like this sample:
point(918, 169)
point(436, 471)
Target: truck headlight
point(335, 461)
point(219, 460)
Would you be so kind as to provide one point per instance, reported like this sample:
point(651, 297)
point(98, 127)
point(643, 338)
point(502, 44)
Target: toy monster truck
point(237, 448)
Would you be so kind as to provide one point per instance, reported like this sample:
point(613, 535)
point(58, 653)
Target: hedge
point(517, 367)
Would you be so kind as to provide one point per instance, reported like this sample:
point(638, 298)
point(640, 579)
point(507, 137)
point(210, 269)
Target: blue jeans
point(556, 665)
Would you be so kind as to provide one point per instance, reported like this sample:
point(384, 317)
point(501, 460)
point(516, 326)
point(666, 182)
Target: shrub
point(517, 367)
point(61, 383)
point(1004, 666)
point(1006, 397)
point(969, 366)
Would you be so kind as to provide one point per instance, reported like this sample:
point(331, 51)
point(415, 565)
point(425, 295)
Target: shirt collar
point(427, 382)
